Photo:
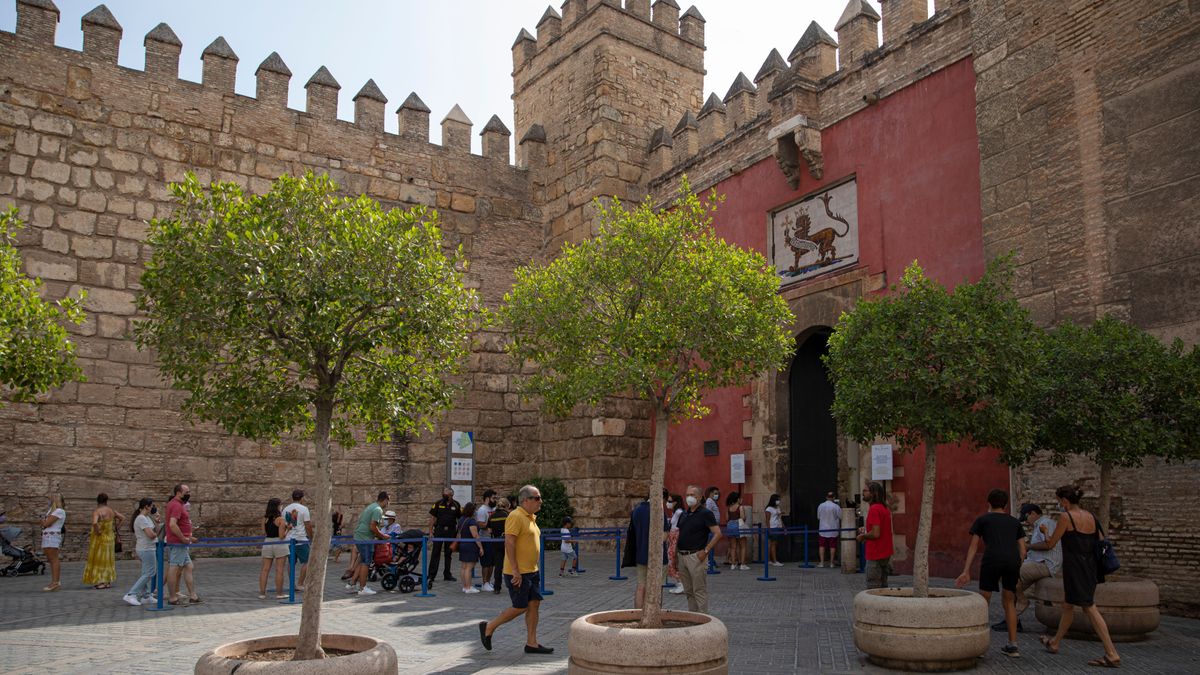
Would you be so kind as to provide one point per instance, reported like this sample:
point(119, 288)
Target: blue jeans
point(149, 567)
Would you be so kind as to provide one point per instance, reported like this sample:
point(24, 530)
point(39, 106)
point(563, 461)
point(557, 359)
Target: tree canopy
point(300, 311)
point(656, 306)
point(35, 353)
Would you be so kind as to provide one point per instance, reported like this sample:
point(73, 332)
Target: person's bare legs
point(187, 581)
point(1101, 627)
point(1009, 600)
point(1066, 616)
point(820, 554)
point(55, 564)
point(507, 615)
point(267, 564)
point(173, 582)
point(531, 622)
point(279, 575)
point(361, 573)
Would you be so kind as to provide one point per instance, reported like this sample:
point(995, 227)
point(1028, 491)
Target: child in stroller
point(403, 569)
point(24, 560)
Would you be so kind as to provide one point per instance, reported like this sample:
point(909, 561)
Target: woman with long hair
point(774, 522)
point(145, 536)
point(470, 549)
point(1079, 532)
point(738, 532)
point(52, 537)
point(273, 554)
point(101, 568)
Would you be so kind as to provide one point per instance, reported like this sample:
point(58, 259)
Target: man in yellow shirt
point(522, 548)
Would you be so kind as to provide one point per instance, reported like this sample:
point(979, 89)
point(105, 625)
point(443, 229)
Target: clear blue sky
point(448, 52)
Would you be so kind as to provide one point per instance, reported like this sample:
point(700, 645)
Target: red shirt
point(881, 548)
point(176, 510)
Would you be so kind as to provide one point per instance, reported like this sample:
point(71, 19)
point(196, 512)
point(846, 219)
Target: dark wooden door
point(812, 433)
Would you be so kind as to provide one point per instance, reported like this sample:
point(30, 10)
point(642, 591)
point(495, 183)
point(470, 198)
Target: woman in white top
point(52, 537)
point(775, 522)
point(145, 534)
point(674, 507)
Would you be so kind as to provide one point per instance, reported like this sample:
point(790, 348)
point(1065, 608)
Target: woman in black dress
point(1080, 573)
point(470, 548)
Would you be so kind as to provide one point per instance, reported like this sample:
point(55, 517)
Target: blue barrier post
point(291, 599)
point(766, 557)
point(578, 569)
point(862, 557)
point(425, 569)
point(159, 548)
point(542, 567)
point(618, 576)
point(807, 564)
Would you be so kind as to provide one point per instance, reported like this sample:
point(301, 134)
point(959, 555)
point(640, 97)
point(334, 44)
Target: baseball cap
point(1028, 508)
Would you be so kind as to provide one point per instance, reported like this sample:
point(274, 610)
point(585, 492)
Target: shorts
point(569, 554)
point(52, 540)
point(302, 549)
point(642, 570)
point(994, 576)
point(878, 571)
point(272, 551)
point(178, 556)
point(827, 542)
point(366, 554)
point(524, 594)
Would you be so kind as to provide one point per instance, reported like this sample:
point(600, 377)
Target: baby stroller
point(24, 561)
point(403, 572)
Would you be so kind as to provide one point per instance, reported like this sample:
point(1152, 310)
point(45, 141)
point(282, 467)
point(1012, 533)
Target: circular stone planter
point(371, 657)
point(946, 631)
point(702, 647)
point(1129, 606)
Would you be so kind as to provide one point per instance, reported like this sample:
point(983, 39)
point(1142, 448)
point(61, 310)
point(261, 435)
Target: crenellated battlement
point(37, 24)
point(822, 81)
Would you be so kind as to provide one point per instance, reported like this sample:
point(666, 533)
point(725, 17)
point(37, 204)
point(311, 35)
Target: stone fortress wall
point(609, 101)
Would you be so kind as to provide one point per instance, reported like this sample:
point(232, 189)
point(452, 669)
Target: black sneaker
point(1011, 650)
point(484, 637)
point(538, 650)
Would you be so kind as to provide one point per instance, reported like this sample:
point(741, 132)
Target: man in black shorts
point(1004, 549)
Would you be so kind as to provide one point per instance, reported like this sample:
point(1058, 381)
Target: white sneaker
point(351, 588)
point(488, 587)
point(776, 564)
point(677, 589)
point(744, 567)
point(366, 590)
point(470, 589)
point(131, 600)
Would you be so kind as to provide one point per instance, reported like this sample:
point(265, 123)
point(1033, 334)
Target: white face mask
point(670, 505)
point(692, 501)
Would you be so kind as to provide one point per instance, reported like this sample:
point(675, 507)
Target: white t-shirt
point(302, 516)
point(829, 518)
point(675, 518)
point(566, 547)
point(1053, 557)
point(776, 517)
point(57, 526)
point(712, 506)
point(482, 514)
point(140, 524)
point(393, 529)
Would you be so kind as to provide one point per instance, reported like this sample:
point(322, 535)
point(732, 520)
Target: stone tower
point(592, 86)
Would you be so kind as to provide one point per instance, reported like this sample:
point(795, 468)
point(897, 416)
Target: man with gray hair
point(522, 548)
point(692, 547)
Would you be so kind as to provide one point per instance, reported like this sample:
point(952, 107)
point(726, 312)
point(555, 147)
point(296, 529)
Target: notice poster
point(462, 443)
point(462, 494)
point(462, 469)
point(737, 469)
point(881, 461)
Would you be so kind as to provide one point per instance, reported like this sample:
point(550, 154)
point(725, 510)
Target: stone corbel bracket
point(796, 140)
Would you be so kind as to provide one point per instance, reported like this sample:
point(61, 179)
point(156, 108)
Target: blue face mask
point(153, 510)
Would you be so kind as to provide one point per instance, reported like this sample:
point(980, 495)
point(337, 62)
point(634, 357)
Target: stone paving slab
point(800, 623)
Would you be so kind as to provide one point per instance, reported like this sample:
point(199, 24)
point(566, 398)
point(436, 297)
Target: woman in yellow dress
point(101, 568)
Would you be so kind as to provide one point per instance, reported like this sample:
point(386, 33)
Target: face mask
point(185, 498)
point(692, 501)
point(670, 505)
point(153, 510)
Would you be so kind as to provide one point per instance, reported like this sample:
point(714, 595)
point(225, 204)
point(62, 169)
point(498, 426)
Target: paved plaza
point(800, 623)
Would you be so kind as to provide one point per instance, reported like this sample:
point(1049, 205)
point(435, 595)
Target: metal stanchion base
point(618, 577)
point(164, 608)
point(297, 601)
point(766, 578)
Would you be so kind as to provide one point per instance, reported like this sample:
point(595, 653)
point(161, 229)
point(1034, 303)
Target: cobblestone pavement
point(800, 623)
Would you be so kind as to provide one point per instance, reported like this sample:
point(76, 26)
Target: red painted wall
point(916, 159)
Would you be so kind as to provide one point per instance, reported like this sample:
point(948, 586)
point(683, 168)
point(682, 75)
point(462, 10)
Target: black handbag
point(1106, 555)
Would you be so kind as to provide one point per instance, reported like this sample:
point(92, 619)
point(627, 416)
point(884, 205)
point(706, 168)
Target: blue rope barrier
point(159, 548)
point(766, 576)
point(618, 576)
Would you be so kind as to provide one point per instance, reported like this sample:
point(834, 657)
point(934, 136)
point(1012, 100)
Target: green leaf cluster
point(924, 363)
point(35, 354)
point(656, 305)
point(1115, 394)
point(264, 307)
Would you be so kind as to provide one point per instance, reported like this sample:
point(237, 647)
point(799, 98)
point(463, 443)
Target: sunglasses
point(536, 498)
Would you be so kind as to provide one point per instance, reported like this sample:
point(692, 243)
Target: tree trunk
point(652, 606)
point(925, 525)
point(1105, 496)
point(309, 644)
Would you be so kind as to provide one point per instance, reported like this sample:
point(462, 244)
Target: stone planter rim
point(944, 608)
point(371, 656)
point(704, 642)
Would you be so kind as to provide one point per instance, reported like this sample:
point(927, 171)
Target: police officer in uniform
point(443, 521)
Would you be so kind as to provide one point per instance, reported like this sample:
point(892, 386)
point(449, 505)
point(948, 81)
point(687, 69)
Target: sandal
point(1047, 641)
point(52, 587)
point(1105, 662)
point(195, 601)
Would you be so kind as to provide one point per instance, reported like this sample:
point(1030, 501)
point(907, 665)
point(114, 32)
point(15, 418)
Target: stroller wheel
point(407, 584)
point(388, 582)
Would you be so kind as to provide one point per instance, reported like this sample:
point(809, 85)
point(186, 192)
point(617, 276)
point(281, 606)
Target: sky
point(447, 51)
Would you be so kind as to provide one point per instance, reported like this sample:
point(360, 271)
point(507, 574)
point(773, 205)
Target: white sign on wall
point(737, 469)
point(816, 235)
point(462, 443)
point(462, 494)
point(881, 461)
point(462, 469)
